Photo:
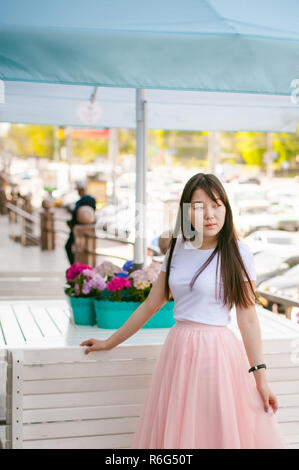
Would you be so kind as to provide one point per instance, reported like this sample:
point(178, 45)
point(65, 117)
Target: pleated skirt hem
point(201, 395)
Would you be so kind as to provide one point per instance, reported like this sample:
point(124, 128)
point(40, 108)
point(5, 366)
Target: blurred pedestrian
point(85, 200)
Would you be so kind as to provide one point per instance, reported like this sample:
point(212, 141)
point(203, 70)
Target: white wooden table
point(72, 400)
point(47, 323)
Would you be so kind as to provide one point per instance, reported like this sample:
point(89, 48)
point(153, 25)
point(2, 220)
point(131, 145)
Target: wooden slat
point(92, 383)
point(293, 438)
point(280, 360)
point(289, 428)
point(74, 414)
point(80, 428)
point(45, 322)
point(290, 400)
point(286, 387)
point(60, 318)
point(282, 373)
point(64, 400)
point(110, 368)
point(76, 354)
point(10, 327)
point(27, 323)
point(113, 441)
point(67, 312)
point(288, 414)
point(3, 372)
point(294, 446)
point(282, 345)
point(2, 339)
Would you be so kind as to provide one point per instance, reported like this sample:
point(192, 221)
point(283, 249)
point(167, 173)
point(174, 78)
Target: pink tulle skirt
point(201, 395)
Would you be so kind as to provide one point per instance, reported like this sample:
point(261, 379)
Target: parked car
point(284, 285)
point(260, 240)
point(253, 215)
point(250, 180)
point(119, 222)
point(287, 214)
point(270, 263)
point(282, 194)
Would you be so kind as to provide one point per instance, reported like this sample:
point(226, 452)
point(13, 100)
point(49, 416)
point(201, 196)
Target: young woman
point(201, 393)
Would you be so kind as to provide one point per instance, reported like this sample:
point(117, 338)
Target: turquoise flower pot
point(112, 315)
point(83, 310)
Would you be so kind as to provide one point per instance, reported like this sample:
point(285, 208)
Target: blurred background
point(41, 167)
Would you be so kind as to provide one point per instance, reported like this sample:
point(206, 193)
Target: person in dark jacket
point(85, 200)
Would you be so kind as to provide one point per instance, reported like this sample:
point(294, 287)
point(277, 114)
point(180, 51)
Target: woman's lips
point(210, 226)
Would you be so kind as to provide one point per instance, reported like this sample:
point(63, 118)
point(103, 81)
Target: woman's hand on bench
point(95, 345)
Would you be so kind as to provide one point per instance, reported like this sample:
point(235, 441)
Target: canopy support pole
point(140, 246)
point(69, 153)
point(212, 151)
point(113, 150)
point(269, 155)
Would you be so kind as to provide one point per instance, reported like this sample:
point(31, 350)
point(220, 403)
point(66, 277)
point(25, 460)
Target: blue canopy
point(208, 45)
point(43, 103)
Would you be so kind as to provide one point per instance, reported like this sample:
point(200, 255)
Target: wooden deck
point(28, 326)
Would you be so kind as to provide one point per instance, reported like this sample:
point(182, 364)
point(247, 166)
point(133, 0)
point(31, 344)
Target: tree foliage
point(249, 147)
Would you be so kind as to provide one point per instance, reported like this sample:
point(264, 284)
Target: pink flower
point(118, 283)
point(75, 270)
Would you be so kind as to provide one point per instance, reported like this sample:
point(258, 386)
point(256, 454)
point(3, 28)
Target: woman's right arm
point(152, 304)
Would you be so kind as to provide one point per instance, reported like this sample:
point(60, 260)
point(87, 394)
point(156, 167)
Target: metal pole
point(69, 153)
point(113, 150)
point(145, 166)
point(269, 155)
point(212, 151)
point(56, 144)
point(139, 258)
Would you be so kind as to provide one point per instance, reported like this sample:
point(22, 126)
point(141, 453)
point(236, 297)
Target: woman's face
point(204, 211)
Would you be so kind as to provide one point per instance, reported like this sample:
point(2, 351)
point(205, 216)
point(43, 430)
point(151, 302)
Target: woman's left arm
point(250, 330)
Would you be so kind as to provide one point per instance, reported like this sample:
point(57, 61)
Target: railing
point(287, 302)
point(22, 225)
point(42, 229)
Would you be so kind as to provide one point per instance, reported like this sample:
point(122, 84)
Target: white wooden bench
point(62, 398)
point(57, 397)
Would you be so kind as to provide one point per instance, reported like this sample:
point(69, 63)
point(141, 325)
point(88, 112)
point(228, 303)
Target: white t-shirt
point(201, 303)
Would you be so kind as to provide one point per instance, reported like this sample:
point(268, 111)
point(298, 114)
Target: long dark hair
point(235, 289)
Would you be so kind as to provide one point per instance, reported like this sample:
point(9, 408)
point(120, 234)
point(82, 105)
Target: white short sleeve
point(248, 261)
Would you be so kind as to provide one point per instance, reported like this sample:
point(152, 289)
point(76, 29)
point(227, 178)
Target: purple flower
point(86, 288)
point(98, 283)
point(77, 289)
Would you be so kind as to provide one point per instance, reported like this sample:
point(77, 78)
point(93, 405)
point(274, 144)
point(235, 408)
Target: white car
point(266, 239)
point(253, 215)
point(273, 262)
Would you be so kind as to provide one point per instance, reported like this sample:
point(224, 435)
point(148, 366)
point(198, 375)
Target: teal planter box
point(83, 310)
point(112, 315)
